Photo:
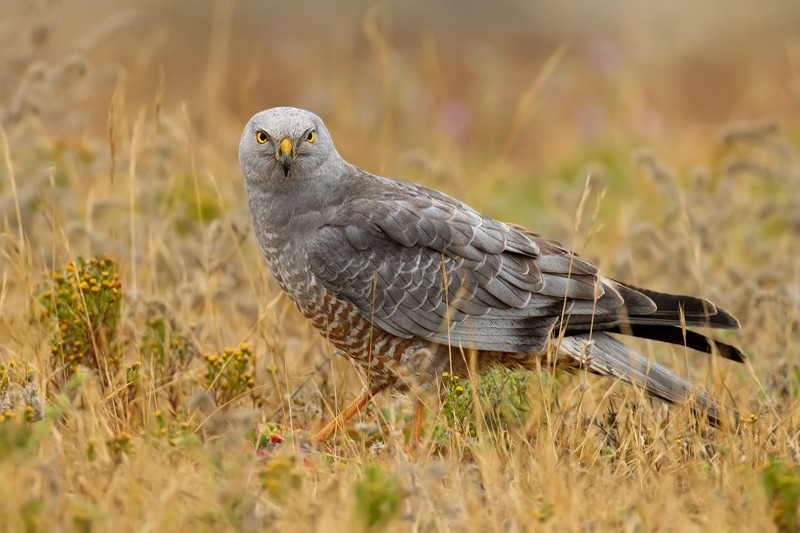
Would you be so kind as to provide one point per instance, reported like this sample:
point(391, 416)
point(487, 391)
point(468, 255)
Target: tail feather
point(680, 309)
point(607, 356)
point(681, 337)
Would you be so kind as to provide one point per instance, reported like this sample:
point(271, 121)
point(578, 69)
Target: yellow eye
point(261, 137)
point(311, 136)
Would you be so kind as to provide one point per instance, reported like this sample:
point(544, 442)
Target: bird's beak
point(285, 155)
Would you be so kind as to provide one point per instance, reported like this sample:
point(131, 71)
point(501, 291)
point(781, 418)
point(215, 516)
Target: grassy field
point(153, 377)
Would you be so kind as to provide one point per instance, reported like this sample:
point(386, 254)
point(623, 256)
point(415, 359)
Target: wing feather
point(425, 265)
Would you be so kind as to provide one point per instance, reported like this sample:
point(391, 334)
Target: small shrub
point(16, 435)
point(456, 402)
point(170, 354)
point(120, 445)
point(377, 497)
point(83, 311)
point(280, 476)
point(173, 428)
point(229, 375)
point(504, 402)
point(782, 483)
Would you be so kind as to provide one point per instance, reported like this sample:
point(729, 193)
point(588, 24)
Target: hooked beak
point(285, 155)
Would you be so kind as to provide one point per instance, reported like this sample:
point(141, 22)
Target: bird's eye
point(311, 136)
point(261, 137)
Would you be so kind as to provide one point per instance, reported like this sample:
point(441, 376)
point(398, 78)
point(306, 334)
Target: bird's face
point(283, 143)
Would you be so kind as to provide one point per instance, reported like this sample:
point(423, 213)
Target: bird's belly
point(377, 352)
point(388, 360)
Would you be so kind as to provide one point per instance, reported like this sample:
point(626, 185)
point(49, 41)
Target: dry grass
point(121, 142)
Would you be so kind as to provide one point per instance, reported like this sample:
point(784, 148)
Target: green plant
point(229, 375)
point(174, 428)
point(169, 353)
point(82, 309)
point(504, 402)
point(456, 402)
point(782, 483)
point(377, 497)
point(280, 475)
point(120, 445)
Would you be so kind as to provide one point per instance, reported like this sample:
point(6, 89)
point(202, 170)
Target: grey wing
point(422, 264)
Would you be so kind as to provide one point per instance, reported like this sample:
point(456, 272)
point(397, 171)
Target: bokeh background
point(536, 90)
point(623, 71)
point(659, 139)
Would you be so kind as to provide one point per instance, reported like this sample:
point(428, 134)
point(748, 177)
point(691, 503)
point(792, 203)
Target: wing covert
point(425, 265)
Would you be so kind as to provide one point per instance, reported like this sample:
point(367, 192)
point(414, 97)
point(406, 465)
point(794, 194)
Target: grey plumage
point(389, 269)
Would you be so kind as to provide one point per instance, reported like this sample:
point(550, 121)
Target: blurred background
point(530, 78)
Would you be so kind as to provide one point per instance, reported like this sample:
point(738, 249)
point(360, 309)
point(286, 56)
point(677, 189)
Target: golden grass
point(109, 148)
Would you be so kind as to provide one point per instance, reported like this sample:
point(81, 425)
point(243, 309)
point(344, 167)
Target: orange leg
point(416, 425)
point(354, 407)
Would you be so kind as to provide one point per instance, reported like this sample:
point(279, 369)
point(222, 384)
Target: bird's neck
point(285, 208)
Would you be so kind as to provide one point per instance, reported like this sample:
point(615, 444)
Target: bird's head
point(283, 143)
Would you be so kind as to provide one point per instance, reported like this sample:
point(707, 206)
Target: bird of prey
point(410, 282)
